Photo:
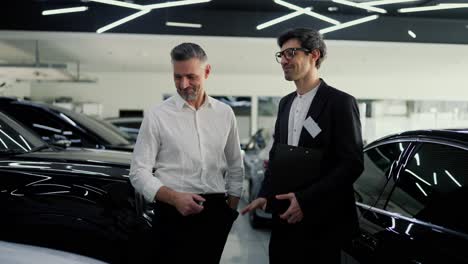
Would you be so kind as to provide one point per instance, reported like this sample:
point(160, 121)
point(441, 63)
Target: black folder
point(291, 169)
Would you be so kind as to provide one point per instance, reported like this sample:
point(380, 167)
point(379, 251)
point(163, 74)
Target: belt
point(213, 196)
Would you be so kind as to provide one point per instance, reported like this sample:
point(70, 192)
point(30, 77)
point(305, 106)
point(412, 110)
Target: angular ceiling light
point(432, 8)
point(386, 2)
point(179, 24)
point(412, 34)
point(144, 9)
point(307, 12)
point(298, 11)
point(64, 10)
point(282, 18)
point(348, 24)
point(123, 20)
point(362, 6)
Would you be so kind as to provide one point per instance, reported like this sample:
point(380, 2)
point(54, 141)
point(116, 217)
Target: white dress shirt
point(298, 113)
point(195, 151)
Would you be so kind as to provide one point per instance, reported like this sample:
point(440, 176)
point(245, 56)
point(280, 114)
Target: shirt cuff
point(151, 188)
point(235, 189)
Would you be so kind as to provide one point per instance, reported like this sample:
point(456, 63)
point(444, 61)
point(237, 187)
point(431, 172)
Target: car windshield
point(112, 127)
point(16, 139)
point(93, 125)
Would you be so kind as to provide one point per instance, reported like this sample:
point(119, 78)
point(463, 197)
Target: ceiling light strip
point(179, 24)
point(119, 3)
point(123, 20)
point(386, 2)
point(281, 19)
point(64, 10)
point(349, 24)
point(457, 5)
point(176, 3)
point(430, 8)
point(308, 12)
point(413, 35)
point(366, 7)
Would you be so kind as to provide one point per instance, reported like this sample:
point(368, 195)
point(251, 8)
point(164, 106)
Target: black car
point(128, 125)
point(57, 125)
point(412, 199)
point(75, 200)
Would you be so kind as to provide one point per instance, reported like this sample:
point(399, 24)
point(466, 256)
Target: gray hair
point(187, 51)
point(309, 38)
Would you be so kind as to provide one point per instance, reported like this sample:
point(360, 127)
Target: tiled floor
point(245, 244)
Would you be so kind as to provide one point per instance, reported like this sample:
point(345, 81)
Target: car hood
point(72, 161)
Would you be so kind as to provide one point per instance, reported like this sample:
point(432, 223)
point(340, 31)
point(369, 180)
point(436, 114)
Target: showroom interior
point(405, 61)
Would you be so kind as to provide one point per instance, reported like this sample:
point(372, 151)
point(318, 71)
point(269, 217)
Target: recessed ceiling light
point(412, 34)
point(144, 9)
point(307, 12)
point(348, 24)
point(64, 10)
point(332, 8)
point(179, 24)
point(386, 2)
point(362, 6)
point(123, 20)
point(432, 8)
point(282, 18)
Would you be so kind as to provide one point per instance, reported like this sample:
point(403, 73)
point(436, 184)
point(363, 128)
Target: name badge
point(312, 127)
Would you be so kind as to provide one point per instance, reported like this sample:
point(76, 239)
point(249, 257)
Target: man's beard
point(189, 94)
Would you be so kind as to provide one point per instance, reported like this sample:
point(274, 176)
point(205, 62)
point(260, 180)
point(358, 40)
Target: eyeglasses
point(289, 53)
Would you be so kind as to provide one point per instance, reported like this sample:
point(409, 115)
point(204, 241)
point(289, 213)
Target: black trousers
point(298, 243)
point(198, 238)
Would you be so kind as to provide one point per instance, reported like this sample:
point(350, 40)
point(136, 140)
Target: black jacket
point(329, 202)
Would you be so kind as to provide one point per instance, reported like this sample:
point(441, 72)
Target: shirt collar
point(181, 103)
point(310, 93)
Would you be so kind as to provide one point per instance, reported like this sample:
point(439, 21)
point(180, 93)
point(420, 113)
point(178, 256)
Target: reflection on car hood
point(13, 253)
point(86, 155)
point(93, 162)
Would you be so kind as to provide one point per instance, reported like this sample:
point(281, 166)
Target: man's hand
point(185, 203)
point(255, 204)
point(294, 213)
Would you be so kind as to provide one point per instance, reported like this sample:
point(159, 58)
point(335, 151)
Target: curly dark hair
point(309, 38)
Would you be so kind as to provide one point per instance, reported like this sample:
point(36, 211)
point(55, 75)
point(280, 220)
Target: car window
point(47, 126)
point(15, 138)
point(377, 163)
point(433, 186)
point(95, 127)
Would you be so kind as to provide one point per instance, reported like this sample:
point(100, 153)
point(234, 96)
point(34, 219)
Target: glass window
point(433, 187)
point(49, 129)
point(377, 164)
point(15, 138)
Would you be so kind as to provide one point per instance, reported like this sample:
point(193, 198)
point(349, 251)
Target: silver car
point(255, 160)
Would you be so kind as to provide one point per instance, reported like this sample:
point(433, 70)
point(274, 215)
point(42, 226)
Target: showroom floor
point(248, 246)
point(245, 244)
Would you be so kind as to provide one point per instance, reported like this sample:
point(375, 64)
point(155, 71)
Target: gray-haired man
point(192, 142)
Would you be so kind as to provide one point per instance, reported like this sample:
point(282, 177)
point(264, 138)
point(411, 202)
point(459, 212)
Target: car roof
point(459, 135)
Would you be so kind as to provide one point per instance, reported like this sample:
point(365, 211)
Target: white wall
point(141, 90)
point(374, 70)
point(18, 89)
